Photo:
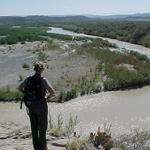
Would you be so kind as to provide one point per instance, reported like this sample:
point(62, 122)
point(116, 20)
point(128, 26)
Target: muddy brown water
point(123, 110)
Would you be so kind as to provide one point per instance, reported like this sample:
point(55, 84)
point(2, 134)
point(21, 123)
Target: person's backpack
point(32, 92)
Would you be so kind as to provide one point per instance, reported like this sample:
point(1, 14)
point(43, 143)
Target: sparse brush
point(51, 45)
point(61, 128)
point(20, 77)
point(29, 50)
point(72, 145)
point(51, 124)
point(69, 128)
point(137, 140)
point(60, 122)
point(7, 95)
point(41, 56)
point(79, 144)
point(65, 96)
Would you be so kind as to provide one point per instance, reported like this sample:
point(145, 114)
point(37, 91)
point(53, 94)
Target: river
point(123, 110)
point(120, 44)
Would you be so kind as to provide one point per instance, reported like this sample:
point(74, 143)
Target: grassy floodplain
point(115, 70)
point(14, 34)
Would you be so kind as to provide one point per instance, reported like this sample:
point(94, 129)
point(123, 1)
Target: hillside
point(42, 19)
point(71, 18)
point(12, 20)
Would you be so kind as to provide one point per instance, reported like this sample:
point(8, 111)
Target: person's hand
point(46, 98)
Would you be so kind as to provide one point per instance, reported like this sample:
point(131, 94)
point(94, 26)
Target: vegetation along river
point(123, 110)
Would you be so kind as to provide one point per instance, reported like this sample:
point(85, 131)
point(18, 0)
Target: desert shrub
point(62, 97)
point(65, 96)
point(99, 66)
point(119, 78)
point(143, 76)
point(26, 66)
point(80, 144)
point(99, 43)
point(69, 127)
point(89, 88)
point(72, 145)
point(22, 42)
point(139, 56)
point(61, 127)
point(3, 41)
point(60, 36)
point(41, 56)
point(51, 45)
point(101, 138)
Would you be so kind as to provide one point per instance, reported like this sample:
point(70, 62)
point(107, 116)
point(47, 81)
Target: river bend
point(124, 110)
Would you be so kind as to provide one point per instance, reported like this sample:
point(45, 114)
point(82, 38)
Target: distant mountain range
point(124, 16)
point(70, 18)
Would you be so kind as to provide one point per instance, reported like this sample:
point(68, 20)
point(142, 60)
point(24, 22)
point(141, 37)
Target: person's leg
point(34, 128)
point(42, 121)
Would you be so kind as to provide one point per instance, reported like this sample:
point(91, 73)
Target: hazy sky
point(63, 7)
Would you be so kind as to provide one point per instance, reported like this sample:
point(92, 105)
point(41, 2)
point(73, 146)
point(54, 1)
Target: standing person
point(37, 106)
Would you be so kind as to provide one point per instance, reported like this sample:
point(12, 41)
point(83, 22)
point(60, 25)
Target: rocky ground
point(15, 137)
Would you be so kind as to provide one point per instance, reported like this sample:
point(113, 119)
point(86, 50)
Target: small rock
point(14, 133)
point(116, 149)
point(4, 137)
point(83, 56)
point(15, 137)
point(60, 142)
point(100, 147)
point(26, 136)
point(51, 138)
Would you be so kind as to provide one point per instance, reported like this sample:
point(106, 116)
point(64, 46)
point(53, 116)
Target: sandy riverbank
point(63, 66)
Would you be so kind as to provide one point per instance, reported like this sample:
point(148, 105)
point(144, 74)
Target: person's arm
point(49, 88)
point(21, 89)
point(51, 93)
point(22, 86)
